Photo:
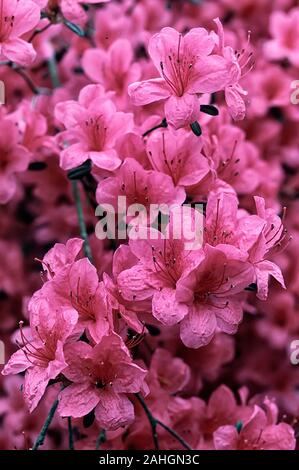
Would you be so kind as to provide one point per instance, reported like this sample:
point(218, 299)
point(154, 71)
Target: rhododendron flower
point(179, 156)
point(77, 286)
point(258, 432)
point(102, 377)
point(209, 292)
point(139, 186)
point(114, 69)
point(187, 68)
point(42, 355)
point(285, 32)
point(93, 125)
point(14, 158)
point(73, 11)
point(16, 18)
point(234, 93)
point(161, 263)
point(272, 236)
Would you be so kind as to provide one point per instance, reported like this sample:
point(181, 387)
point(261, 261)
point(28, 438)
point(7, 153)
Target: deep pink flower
point(16, 18)
point(187, 68)
point(102, 377)
point(93, 126)
point(42, 355)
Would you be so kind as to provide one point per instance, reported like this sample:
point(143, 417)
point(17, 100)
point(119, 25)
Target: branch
point(163, 124)
point(81, 220)
point(154, 422)
point(42, 435)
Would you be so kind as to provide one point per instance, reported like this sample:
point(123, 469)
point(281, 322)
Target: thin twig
point(174, 434)
point(39, 31)
point(42, 435)
point(81, 220)
point(163, 124)
point(71, 435)
point(152, 420)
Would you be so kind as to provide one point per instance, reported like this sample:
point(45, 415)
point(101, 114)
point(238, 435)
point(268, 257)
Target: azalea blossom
point(187, 68)
point(17, 17)
point(102, 377)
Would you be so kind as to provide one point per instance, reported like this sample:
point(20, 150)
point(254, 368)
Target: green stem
point(42, 435)
point(174, 434)
point(152, 420)
point(71, 435)
point(83, 231)
point(101, 439)
point(53, 72)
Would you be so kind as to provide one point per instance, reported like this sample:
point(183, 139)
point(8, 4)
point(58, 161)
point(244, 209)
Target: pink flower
point(42, 355)
point(102, 377)
point(14, 158)
point(61, 255)
point(272, 236)
point(258, 432)
point(127, 311)
point(209, 293)
point(284, 29)
point(93, 126)
point(162, 262)
point(114, 69)
point(77, 286)
point(187, 68)
point(16, 18)
point(236, 63)
point(73, 11)
point(139, 186)
point(178, 154)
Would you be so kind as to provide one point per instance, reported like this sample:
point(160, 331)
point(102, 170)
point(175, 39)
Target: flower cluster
point(151, 340)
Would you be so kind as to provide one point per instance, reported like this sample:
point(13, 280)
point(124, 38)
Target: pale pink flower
point(16, 18)
point(187, 68)
point(102, 377)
